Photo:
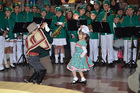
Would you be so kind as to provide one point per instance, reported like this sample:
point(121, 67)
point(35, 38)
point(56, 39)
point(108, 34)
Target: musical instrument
point(122, 20)
point(118, 45)
point(57, 31)
point(105, 16)
point(90, 26)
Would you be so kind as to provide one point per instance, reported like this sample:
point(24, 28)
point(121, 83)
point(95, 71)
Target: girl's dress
point(79, 64)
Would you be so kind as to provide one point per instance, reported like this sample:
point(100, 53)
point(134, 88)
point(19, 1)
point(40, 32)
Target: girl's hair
point(68, 12)
point(87, 36)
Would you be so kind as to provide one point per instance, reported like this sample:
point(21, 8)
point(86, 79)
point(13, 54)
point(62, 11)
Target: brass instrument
point(57, 31)
point(122, 20)
point(90, 26)
point(105, 16)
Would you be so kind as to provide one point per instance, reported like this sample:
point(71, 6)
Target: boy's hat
point(58, 9)
point(27, 5)
point(32, 27)
point(16, 4)
point(84, 29)
point(47, 4)
point(130, 6)
point(7, 9)
point(43, 9)
point(93, 12)
point(98, 2)
point(76, 12)
point(34, 5)
point(106, 2)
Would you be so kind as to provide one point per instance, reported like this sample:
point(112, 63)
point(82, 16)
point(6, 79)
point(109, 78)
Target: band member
point(27, 17)
point(130, 20)
point(48, 9)
point(120, 12)
point(1, 10)
point(73, 36)
point(44, 55)
point(3, 34)
point(18, 17)
point(11, 36)
point(59, 40)
point(34, 42)
point(82, 13)
point(116, 23)
point(80, 62)
point(34, 10)
point(97, 6)
point(93, 41)
point(107, 38)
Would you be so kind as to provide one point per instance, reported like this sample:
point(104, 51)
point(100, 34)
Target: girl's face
point(17, 9)
point(81, 36)
point(69, 15)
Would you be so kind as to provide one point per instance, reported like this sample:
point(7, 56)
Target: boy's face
point(130, 11)
point(82, 11)
point(7, 13)
point(96, 6)
point(58, 14)
point(120, 12)
point(27, 9)
point(106, 6)
point(43, 13)
point(47, 8)
point(75, 16)
point(34, 9)
point(116, 19)
point(34, 31)
point(93, 16)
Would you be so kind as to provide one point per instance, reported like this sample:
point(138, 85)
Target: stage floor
point(99, 79)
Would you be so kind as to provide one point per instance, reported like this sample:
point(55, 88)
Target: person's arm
point(84, 51)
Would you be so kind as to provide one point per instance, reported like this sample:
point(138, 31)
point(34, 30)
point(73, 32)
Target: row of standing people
point(59, 41)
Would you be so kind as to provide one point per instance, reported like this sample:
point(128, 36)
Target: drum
point(118, 45)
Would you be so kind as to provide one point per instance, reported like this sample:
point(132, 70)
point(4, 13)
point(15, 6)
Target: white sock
point(5, 58)
point(75, 79)
point(11, 58)
point(83, 79)
point(56, 58)
point(62, 56)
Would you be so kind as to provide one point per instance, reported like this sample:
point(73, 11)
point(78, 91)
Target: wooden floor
point(99, 79)
point(16, 87)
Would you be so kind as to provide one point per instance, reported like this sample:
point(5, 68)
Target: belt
point(33, 54)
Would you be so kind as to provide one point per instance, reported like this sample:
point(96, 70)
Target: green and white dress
point(80, 61)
